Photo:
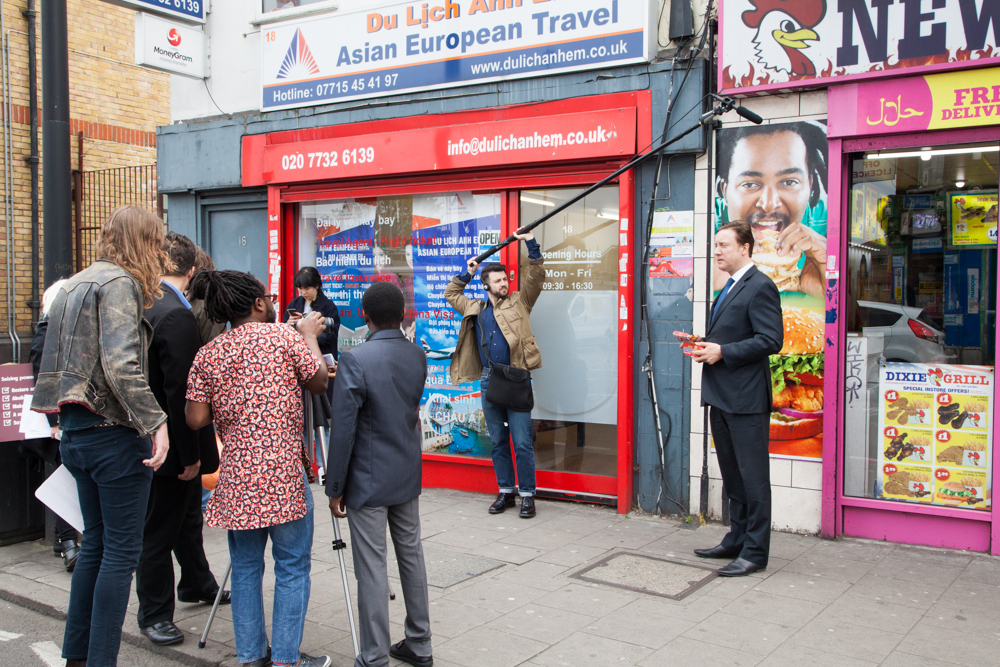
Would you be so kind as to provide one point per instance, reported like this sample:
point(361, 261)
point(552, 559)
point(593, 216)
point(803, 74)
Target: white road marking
point(50, 654)
point(7, 636)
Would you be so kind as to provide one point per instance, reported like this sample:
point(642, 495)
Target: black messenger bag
point(509, 387)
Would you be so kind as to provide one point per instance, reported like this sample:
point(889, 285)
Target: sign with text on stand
point(936, 434)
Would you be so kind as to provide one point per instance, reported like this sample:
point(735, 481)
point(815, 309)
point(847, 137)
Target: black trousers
point(173, 524)
point(741, 447)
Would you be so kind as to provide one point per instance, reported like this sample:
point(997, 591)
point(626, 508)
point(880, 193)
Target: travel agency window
point(921, 322)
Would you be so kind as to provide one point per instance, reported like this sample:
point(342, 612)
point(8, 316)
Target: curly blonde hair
point(132, 238)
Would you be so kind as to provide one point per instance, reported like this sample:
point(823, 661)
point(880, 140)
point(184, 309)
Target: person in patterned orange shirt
point(248, 382)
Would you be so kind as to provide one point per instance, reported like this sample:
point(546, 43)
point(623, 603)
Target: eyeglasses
point(272, 297)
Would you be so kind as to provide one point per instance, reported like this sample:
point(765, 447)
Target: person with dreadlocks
point(248, 381)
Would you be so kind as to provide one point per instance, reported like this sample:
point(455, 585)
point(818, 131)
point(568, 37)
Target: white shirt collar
point(742, 272)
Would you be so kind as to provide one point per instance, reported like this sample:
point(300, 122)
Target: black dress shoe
point(164, 633)
point(400, 651)
point(210, 597)
point(717, 552)
point(527, 507)
point(503, 501)
point(740, 567)
point(70, 553)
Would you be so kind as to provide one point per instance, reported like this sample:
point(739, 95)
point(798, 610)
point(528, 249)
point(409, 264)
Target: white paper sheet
point(33, 424)
point(59, 494)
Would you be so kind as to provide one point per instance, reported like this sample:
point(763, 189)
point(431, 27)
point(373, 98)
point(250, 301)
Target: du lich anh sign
point(410, 46)
point(780, 44)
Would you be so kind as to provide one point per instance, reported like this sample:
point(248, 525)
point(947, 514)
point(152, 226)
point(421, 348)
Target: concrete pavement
point(580, 585)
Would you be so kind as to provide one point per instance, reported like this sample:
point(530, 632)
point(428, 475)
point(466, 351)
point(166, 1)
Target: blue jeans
point(113, 485)
point(291, 548)
point(505, 425)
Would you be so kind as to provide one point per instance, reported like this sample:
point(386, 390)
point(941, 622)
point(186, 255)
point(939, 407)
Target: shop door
point(575, 325)
point(920, 351)
point(420, 242)
point(237, 239)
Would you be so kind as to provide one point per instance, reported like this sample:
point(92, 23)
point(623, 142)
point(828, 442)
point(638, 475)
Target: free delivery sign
point(411, 46)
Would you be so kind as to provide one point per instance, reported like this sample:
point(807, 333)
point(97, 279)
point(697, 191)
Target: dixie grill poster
point(409, 46)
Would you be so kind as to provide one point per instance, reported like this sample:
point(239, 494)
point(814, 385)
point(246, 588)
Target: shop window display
point(921, 321)
point(419, 243)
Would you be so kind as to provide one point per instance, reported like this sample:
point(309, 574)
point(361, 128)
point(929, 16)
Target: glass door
point(575, 325)
point(921, 327)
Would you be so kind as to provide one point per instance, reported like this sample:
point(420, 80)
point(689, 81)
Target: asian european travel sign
point(412, 46)
point(783, 44)
point(945, 101)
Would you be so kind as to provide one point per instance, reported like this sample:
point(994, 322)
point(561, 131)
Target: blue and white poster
point(409, 46)
point(419, 243)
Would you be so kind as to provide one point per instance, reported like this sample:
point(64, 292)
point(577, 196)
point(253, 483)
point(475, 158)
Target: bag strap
point(482, 337)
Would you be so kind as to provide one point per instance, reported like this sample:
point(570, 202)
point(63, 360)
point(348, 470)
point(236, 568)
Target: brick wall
point(114, 103)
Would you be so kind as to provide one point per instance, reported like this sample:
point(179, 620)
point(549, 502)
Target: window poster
point(937, 435)
point(974, 219)
point(418, 243)
point(775, 178)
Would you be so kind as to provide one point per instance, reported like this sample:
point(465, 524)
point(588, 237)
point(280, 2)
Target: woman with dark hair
point(311, 298)
point(94, 374)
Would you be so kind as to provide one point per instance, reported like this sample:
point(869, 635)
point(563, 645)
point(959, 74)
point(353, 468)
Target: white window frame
point(328, 6)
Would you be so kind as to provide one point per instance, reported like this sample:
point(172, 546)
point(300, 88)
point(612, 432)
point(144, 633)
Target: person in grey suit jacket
point(374, 476)
point(745, 329)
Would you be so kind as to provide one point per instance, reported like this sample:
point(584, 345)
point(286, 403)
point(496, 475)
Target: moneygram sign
point(425, 45)
point(170, 47)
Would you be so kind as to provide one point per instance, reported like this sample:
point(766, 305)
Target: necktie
point(722, 297)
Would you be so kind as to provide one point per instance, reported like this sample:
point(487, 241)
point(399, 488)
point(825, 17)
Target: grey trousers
point(368, 547)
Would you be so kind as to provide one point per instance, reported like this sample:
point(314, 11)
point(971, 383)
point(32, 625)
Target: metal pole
point(215, 606)
point(35, 303)
point(56, 170)
point(338, 543)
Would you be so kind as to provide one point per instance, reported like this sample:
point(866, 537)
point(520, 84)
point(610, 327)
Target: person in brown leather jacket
point(498, 331)
point(114, 434)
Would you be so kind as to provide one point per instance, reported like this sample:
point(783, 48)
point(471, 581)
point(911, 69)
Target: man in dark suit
point(374, 475)
point(173, 515)
point(745, 329)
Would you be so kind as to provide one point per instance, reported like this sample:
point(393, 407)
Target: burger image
point(954, 492)
point(784, 271)
point(797, 384)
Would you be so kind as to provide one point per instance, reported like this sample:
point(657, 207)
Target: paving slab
point(503, 593)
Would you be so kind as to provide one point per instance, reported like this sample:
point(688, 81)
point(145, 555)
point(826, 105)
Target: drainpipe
point(32, 159)
point(56, 171)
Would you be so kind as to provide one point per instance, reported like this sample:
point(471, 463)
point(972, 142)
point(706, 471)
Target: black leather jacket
point(95, 350)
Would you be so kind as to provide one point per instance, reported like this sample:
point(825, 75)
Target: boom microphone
point(749, 115)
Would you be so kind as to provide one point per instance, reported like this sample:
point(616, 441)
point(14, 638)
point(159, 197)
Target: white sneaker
point(310, 661)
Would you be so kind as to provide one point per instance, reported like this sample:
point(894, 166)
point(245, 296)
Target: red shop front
point(408, 200)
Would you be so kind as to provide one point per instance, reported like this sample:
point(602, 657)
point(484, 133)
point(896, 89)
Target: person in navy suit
point(745, 329)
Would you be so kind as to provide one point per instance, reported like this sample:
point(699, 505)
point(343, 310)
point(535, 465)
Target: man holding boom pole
point(496, 346)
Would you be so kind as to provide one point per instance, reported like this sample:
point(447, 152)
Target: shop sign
point(410, 46)
point(780, 44)
point(16, 383)
point(923, 246)
point(917, 103)
point(585, 135)
point(974, 220)
point(185, 10)
point(171, 47)
point(936, 434)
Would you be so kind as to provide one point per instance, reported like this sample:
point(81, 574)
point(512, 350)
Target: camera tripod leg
point(215, 605)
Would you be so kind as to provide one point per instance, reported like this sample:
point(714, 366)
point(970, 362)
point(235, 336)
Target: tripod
point(312, 404)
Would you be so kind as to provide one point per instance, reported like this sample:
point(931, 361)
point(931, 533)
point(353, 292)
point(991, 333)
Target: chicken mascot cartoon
point(783, 29)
